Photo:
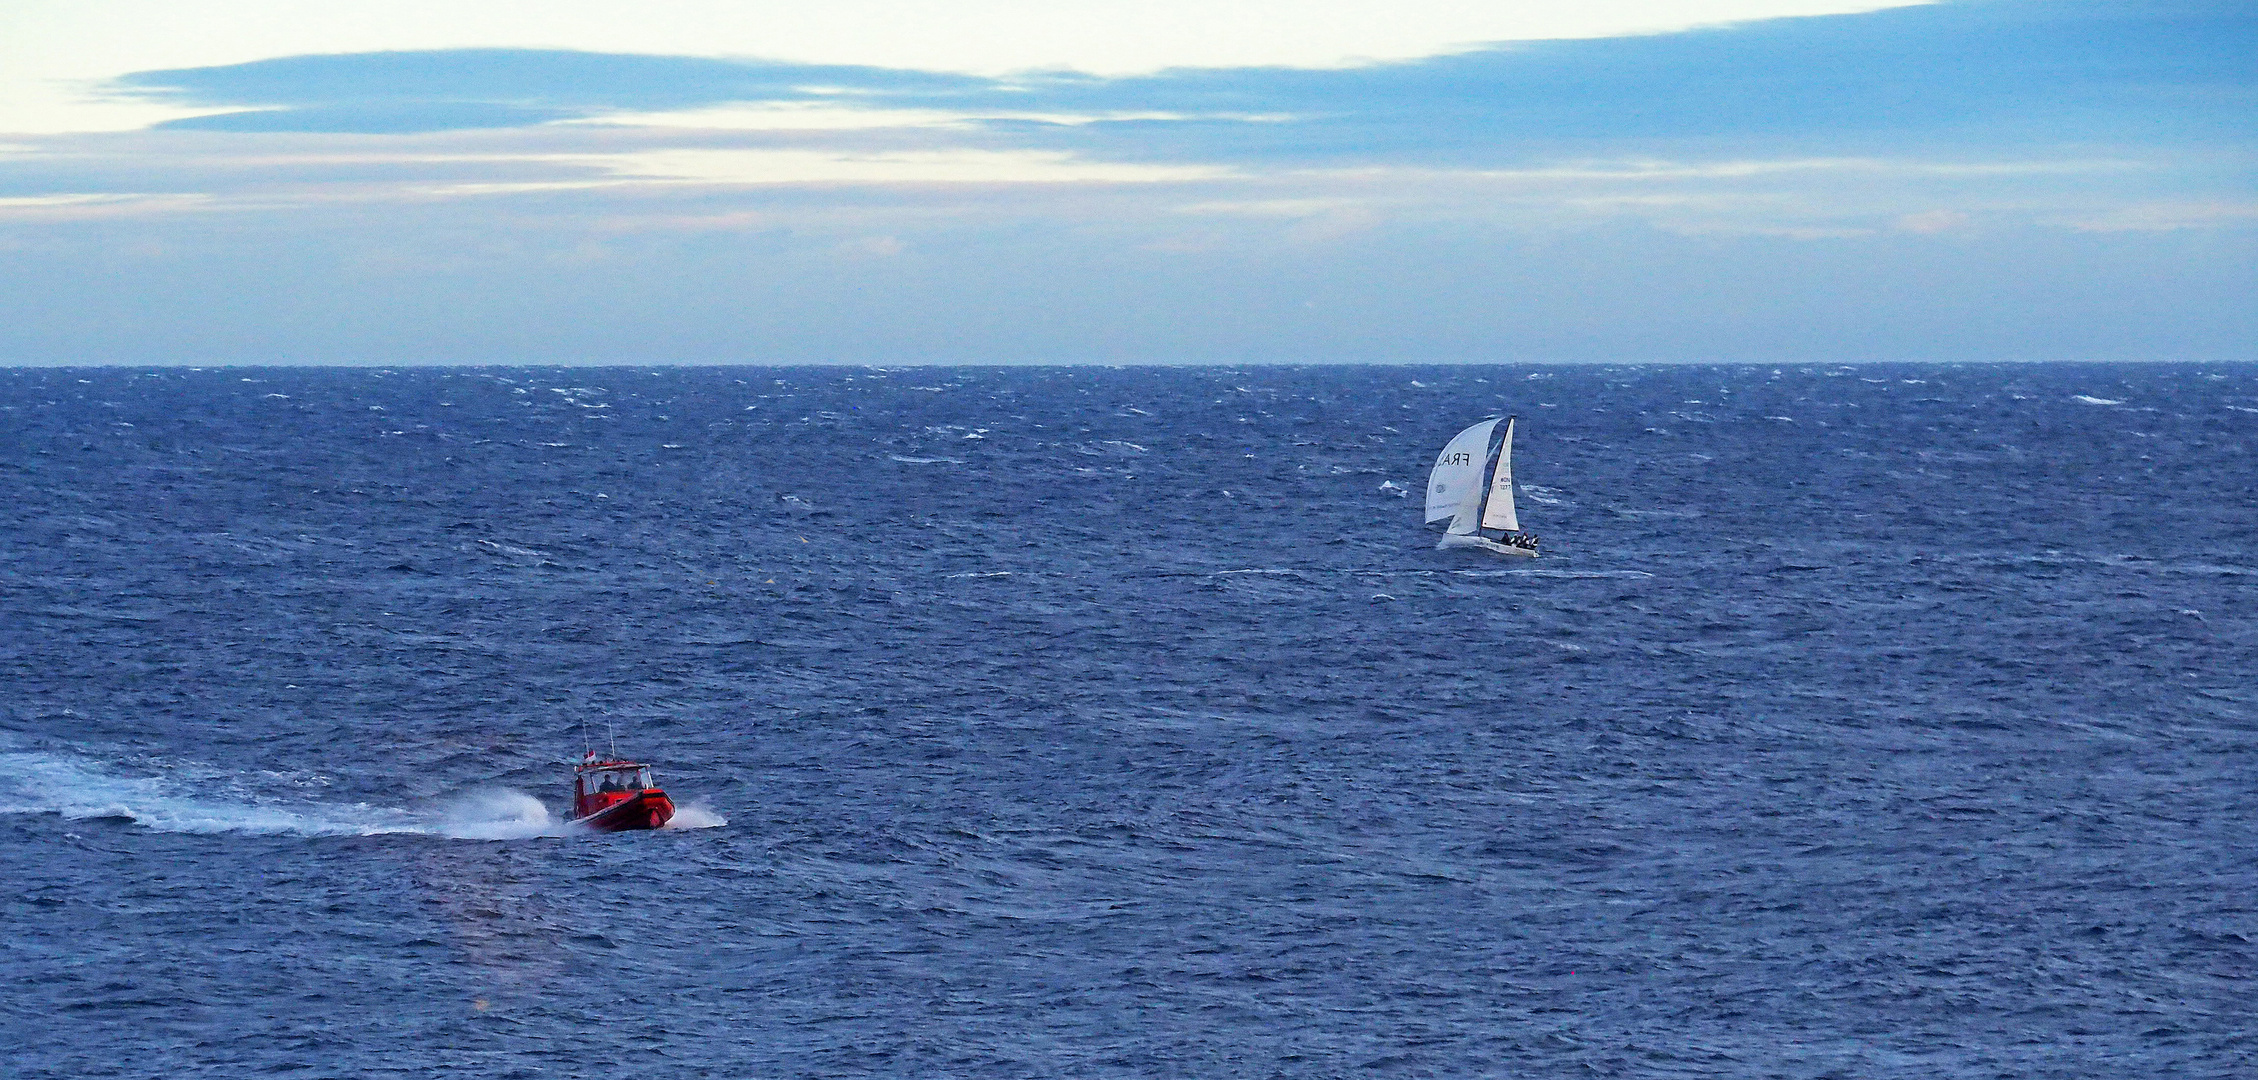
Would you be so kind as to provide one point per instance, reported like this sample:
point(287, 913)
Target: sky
point(997, 181)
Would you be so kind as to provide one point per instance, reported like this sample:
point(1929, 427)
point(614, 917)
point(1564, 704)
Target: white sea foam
point(2091, 400)
point(696, 817)
point(192, 801)
point(497, 814)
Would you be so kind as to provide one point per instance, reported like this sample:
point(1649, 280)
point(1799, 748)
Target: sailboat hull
point(1483, 543)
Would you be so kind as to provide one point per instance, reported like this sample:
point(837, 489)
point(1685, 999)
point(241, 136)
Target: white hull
point(1453, 540)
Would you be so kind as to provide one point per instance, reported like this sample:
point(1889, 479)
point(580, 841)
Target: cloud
point(373, 118)
point(1802, 188)
point(53, 52)
point(1930, 222)
point(1967, 73)
point(1998, 105)
point(1070, 274)
point(963, 166)
point(875, 246)
point(91, 206)
point(2171, 216)
point(395, 92)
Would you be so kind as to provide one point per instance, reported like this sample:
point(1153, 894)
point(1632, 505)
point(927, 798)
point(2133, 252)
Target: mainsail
point(1498, 513)
point(1454, 489)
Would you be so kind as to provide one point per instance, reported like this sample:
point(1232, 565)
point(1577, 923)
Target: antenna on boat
point(612, 729)
point(585, 745)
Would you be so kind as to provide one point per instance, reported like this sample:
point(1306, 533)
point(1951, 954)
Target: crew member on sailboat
point(1480, 514)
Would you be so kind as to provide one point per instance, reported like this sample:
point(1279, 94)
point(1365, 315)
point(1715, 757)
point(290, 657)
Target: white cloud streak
point(702, 179)
point(55, 53)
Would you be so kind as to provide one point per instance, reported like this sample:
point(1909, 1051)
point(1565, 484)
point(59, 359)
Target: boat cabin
point(598, 784)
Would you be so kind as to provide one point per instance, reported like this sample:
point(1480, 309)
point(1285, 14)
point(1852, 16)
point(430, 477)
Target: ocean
point(1857, 721)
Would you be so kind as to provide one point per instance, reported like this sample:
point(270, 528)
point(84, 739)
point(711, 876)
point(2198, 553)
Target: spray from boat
point(188, 799)
point(696, 817)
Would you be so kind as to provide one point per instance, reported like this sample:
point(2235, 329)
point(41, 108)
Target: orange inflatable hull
point(637, 810)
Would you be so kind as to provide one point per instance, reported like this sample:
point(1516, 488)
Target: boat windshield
point(620, 780)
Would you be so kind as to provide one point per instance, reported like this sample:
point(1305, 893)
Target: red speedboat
point(615, 796)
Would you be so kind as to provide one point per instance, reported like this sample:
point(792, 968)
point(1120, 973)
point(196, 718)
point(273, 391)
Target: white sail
point(1498, 514)
point(1469, 509)
point(1458, 475)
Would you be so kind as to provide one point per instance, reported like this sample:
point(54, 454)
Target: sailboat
point(1472, 488)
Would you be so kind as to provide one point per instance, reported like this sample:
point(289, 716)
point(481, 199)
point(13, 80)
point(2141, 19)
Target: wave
point(78, 789)
point(1536, 572)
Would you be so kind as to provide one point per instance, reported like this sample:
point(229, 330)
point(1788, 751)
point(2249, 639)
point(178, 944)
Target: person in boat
point(611, 783)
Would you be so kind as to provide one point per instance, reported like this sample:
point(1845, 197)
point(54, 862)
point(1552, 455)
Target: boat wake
point(78, 789)
point(497, 814)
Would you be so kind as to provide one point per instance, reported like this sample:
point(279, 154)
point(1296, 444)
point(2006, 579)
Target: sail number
point(1460, 458)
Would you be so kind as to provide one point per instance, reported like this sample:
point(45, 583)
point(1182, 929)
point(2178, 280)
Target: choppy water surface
point(1879, 722)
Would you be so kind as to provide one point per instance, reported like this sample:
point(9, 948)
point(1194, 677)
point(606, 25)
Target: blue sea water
point(1857, 721)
